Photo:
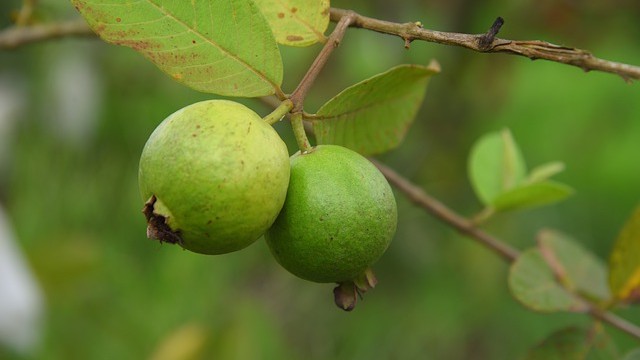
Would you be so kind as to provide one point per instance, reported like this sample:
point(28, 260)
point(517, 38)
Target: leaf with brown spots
point(374, 115)
point(221, 47)
point(624, 262)
point(296, 22)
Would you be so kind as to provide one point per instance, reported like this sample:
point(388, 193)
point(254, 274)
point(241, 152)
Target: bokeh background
point(75, 114)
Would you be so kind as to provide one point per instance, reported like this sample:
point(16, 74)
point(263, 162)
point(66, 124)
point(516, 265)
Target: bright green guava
point(338, 219)
point(214, 176)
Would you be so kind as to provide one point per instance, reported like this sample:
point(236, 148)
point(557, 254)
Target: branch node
point(407, 42)
point(485, 41)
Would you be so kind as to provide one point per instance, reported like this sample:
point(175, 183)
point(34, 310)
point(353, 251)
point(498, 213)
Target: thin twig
point(439, 210)
point(305, 84)
point(615, 321)
point(466, 227)
point(16, 36)
point(533, 49)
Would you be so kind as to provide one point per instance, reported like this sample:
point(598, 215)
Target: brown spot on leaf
point(118, 19)
point(281, 15)
point(294, 10)
point(294, 38)
point(193, 41)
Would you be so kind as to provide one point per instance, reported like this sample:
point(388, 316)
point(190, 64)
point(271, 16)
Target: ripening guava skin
point(338, 218)
point(214, 176)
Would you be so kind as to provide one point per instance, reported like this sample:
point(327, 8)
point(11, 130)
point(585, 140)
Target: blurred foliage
point(68, 177)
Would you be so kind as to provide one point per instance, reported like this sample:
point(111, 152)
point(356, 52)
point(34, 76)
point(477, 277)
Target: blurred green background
point(78, 112)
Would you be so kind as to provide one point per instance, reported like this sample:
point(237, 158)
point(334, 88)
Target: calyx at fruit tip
point(157, 228)
point(346, 294)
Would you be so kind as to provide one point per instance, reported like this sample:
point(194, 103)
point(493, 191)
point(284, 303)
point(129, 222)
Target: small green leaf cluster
point(558, 274)
point(498, 174)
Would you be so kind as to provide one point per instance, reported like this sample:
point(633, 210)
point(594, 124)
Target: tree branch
point(16, 36)
point(466, 227)
point(439, 210)
point(336, 36)
point(488, 43)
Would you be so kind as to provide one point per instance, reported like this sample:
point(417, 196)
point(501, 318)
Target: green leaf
point(533, 284)
point(576, 268)
point(545, 171)
point(624, 262)
point(221, 47)
point(531, 195)
point(296, 22)
point(496, 165)
point(374, 115)
point(575, 343)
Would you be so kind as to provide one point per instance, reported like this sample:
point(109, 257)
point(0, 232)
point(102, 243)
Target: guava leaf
point(496, 165)
point(221, 47)
point(296, 22)
point(533, 284)
point(575, 343)
point(531, 195)
point(545, 171)
point(624, 262)
point(576, 268)
point(374, 115)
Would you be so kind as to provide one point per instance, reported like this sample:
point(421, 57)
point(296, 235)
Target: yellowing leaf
point(221, 47)
point(296, 22)
point(624, 262)
point(185, 343)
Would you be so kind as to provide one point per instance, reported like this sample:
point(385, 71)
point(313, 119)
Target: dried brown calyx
point(157, 227)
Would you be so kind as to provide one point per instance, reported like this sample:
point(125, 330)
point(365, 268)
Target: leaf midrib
point(214, 44)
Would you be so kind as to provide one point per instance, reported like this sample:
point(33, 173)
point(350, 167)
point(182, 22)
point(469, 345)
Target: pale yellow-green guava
point(338, 219)
point(214, 176)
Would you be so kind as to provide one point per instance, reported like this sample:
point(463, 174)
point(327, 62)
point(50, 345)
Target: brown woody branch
point(17, 36)
point(466, 227)
point(488, 43)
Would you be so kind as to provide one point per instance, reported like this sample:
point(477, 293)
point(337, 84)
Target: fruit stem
point(333, 41)
point(300, 134)
point(279, 112)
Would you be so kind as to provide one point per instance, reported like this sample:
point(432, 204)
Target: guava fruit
point(338, 218)
point(214, 176)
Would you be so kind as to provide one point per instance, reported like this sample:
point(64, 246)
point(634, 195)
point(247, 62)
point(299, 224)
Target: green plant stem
point(466, 227)
point(300, 134)
point(280, 111)
point(333, 41)
point(488, 43)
